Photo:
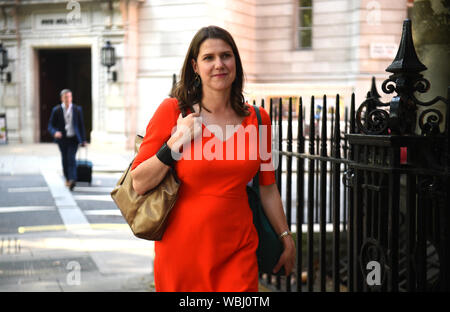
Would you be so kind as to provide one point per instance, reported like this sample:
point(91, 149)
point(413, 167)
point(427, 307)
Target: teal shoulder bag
point(270, 247)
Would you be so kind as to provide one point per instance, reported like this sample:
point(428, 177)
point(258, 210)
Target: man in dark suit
point(67, 128)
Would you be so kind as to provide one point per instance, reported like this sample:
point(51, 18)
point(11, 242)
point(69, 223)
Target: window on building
point(304, 29)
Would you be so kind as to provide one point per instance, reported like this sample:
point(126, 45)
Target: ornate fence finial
point(406, 79)
point(406, 76)
point(406, 60)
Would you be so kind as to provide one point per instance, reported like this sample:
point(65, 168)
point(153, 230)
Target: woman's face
point(216, 65)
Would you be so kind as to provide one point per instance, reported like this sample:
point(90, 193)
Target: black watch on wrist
point(165, 155)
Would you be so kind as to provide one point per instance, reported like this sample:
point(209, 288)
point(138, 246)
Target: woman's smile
point(220, 75)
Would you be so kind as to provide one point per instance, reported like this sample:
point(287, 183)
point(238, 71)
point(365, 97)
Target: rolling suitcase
point(84, 170)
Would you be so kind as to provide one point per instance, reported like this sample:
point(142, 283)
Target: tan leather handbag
point(146, 214)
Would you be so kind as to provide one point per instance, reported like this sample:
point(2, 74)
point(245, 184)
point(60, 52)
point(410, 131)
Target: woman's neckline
point(237, 127)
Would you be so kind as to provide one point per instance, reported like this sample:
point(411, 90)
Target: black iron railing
point(371, 198)
point(371, 202)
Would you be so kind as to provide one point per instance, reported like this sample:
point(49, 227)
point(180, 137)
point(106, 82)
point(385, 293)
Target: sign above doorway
point(46, 21)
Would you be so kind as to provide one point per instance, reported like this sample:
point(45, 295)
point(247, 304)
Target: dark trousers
point(68, 148)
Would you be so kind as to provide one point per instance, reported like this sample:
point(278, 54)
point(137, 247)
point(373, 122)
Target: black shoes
point(71, 185)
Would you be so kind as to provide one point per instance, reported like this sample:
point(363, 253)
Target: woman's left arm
point(273, 208)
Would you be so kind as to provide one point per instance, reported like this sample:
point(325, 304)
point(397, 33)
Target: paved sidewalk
point(77, 255)
point(84, 260)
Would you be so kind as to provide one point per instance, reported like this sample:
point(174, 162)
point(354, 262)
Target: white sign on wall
point(47, 21)
point(383, 50)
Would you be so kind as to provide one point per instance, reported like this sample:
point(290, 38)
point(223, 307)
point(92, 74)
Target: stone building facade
point(288, 48)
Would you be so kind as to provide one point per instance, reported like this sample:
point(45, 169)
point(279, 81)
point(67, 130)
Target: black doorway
point(64, 69)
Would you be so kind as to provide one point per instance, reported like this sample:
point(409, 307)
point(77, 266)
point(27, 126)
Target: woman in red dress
point(210, 241)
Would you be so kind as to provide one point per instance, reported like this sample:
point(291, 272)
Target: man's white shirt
point(68, 115)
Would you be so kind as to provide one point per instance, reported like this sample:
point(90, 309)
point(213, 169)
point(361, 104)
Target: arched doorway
point(64, 69)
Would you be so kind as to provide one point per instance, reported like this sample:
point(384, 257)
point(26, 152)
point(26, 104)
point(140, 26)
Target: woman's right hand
point(148, 174)
point(187, 129)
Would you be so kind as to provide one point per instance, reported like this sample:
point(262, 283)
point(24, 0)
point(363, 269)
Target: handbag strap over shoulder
point(255, 184)
point(137, 144)
point(139, 138)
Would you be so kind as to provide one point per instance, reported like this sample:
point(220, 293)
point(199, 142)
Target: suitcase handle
point(86, 153)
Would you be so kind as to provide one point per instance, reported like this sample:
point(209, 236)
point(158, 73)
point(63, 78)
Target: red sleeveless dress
point(210, 241)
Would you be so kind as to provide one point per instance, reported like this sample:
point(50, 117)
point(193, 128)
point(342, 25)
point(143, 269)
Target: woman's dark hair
point(186, 91)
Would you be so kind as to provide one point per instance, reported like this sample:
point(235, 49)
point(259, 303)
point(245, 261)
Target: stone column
point(130, 18)
point(431, 32)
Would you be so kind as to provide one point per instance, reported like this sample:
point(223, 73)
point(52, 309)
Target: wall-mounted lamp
point(3, 65)
point(109, 59)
